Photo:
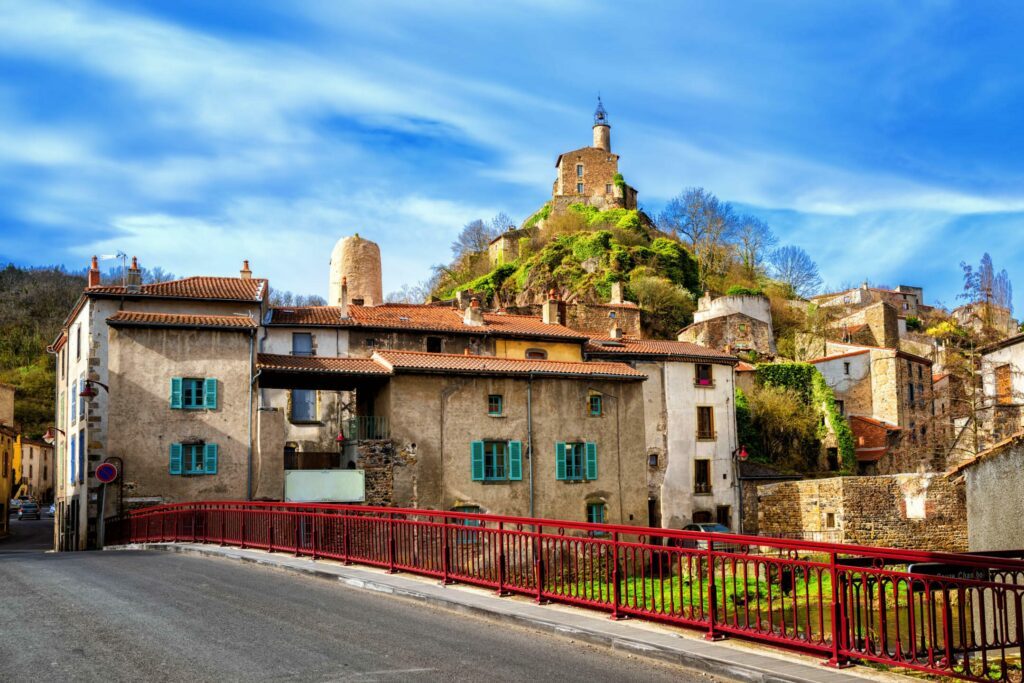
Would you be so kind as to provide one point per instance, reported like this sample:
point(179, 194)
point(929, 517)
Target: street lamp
point(49, 437)
point(88, 391)
point(740, 455)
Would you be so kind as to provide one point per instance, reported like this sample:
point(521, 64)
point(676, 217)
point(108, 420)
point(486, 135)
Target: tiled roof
point(423, 318)
point(838, 355)
point(325, 364)
point(652, 348)
point(939, 377)
point(140, 319)
point(1001, 446)
point(1002, 343)
point(876, 423)
point(219, 288)
point(413, 361)
point(901, 354)
point(745, 367)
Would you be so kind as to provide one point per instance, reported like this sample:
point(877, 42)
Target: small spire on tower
point(600, 115)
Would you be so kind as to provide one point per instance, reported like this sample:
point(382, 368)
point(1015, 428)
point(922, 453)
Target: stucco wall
point(853, 388)
point(434, 419)
point(757, 307)
point(995, 518)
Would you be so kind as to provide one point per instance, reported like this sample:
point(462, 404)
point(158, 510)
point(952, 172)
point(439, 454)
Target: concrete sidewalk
point(731, 659)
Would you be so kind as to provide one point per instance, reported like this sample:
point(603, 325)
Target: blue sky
point(882, 137)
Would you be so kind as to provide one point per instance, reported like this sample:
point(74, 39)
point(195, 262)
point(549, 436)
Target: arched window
point(536, 354)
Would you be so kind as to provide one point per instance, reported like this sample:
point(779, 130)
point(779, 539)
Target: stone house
point(690, 435)
point(1002, 382)
point(83, 378)
point(888, 397)
point(923, 511)
point(981, 317)
point(37, 470)
point(733, 324)
point(508, 436)
point(993, 481)
point(906, 299)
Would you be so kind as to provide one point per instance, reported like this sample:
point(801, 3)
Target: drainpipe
point(252, 383)
point(529, 434)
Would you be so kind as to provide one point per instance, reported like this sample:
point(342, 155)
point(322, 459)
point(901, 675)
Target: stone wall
point(913, 511)
point(599, 169)
point(732, 333)
point(357, 260)
point(594, 319)
point(379, 459)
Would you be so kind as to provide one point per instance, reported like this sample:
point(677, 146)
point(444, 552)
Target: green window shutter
point(176, 393)
point(560, 461)
point(210, 458)
point(515, 460)
point(477, 460)
point(175, 458)
point(591, 460)
point(210, 392)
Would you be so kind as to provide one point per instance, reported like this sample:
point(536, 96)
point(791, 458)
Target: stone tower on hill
point(355, 273)
point(588, 175)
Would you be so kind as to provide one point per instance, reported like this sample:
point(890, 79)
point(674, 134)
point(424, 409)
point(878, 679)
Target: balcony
point(366, 428)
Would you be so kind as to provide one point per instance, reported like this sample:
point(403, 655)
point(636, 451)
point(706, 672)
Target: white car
point(51, 511)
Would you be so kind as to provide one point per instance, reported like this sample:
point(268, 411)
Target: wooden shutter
point(1004, 385)
point(560, 461)
point(72, 468)
point(515, 460)
point(210, 392)
point(210, 458)
point(477, 460)
point(175, 467)
point(176, 393)
point(591, 460)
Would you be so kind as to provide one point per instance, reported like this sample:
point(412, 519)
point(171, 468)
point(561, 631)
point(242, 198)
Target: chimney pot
point(343, 304)
point(474, 316)
point(134, 279)
point(94, 273)
point(245, 273)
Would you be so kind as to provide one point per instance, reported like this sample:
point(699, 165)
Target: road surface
point(133, 615)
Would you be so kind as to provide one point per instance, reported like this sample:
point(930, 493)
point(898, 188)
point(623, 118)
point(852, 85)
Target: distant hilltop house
point(588, 176)
point(741, 323)
point(980, 317)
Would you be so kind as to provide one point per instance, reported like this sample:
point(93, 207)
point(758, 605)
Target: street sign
point(106, 472)
point(955, 571)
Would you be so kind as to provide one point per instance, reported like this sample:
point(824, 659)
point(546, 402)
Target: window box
point(703, 376)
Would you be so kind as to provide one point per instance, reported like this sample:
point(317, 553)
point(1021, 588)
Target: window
point(496, 460)
point(73, 403)
point(78, 341)
point(841, 407)
point(723, 515)
point(303, 405)
point(370, 343)
point(705, 422)
point(433, 345)
point(579, 188)
point(919, 372)
point(536, 354)
point(193, 458)
point(1004, 385)
point(302, 344)
point(702, 476)
point(652, 460)
point(30, 470)
point(704, 377)
point(596, 513)
point(81, 456)
point(72, 460)
point(911, 388)
point(595, 406)
point(830, 520)
point(576, 461)
point(194, 393)
point(291, 458)
point(846, 368)
point(607, 188)
point(579, 170)
point(495, 404)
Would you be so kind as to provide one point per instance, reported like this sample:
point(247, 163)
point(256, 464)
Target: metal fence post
point(313, 531)
point(712, 595)
point(446, 553)
point(501, 560)
point(344, 540)
point(838, 617)
point(391, 543)
point(242, 515)
point(270, 531)
point(538, 565)
point(616, 578)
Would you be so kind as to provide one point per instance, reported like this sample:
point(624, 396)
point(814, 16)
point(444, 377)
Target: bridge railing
point(958, 615)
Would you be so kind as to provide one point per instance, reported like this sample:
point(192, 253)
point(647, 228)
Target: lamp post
point(89, 391)
point(740, 455)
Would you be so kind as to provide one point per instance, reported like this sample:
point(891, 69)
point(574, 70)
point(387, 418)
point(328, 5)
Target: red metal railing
point(959, 615)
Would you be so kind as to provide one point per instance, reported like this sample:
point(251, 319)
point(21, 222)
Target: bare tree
point(706, 223)
point(501, 223)
point(474, 239)
point(754, 240)
point(410, 294)
point(793, 267)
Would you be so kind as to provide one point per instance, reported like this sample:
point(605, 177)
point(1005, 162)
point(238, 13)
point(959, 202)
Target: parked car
point(13, 507)
point(701, 544)
point(52, 510)
point(29, 509)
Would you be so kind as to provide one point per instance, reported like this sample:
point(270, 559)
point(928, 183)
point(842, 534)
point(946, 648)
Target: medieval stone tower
point(355, 261)
point(602, 129)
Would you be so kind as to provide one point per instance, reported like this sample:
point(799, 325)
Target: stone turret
point(602, 129)
point(357, 261)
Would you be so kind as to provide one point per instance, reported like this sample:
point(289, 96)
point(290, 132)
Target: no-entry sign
point(106, 472)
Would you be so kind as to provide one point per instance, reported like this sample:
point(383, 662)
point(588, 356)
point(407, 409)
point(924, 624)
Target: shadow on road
point(28, 536)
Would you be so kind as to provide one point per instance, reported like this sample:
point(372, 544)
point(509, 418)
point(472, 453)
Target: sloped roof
point(838, 356)
point(652, 348)
point(320, 364)
point(216, 288)
point(419, 361)
point(141, 319)
point(1000, 447)
point(421, 317)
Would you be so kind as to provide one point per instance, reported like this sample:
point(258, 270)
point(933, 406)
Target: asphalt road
point(133, 615)
point(29, 535)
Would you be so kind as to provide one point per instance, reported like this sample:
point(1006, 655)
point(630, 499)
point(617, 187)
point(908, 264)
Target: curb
point(723, 665)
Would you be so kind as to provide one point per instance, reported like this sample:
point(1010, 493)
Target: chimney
point(134, 280)
point(616, 293)
point(343, 304)
point(474, 315)
point(550, 309)
point(245, 273)
point(94, 273)
point(616, 332)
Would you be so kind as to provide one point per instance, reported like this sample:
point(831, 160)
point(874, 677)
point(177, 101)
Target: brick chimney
point(343, 304)
point(245, 273)
point(94, 273)
point(552, 312)
point(134, 279)
point(474, 314)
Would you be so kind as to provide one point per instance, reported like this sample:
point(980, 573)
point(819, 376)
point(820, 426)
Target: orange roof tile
point(838, 355)
point(218, 288)
point(419, 361)
point(745, 367)
point(653, 348)
point(326, 364)
point(139, 319)
point(421, 317)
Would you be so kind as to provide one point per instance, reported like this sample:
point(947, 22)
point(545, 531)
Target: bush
point(786, 426)
point(737, 290)
point(664, 307)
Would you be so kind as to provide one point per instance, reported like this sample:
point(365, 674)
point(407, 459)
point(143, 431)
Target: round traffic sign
point(106, 472)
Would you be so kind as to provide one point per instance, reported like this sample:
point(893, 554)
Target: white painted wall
point(757, 307)
point(1012, 355)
